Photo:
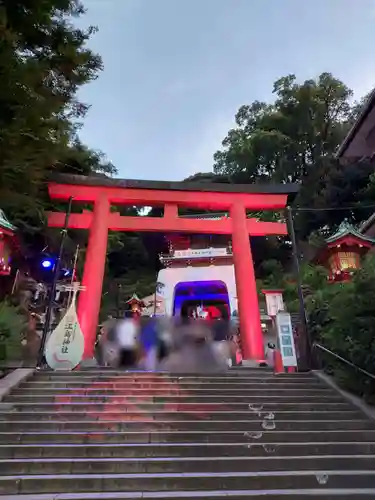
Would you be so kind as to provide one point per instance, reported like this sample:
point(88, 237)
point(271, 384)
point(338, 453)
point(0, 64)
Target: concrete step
point(93, 385)
point(255, 448)
point(181, 405)
point(227, 376)
point(171, 390)
point(302, 494)
point(183, 414)
point(113, 434)
point(122, 375)
point(116, 465)
point(302, 479)
point(64, 377)
point(129, 424)
point(139, 373)
point(260, 397)
point(176, 436)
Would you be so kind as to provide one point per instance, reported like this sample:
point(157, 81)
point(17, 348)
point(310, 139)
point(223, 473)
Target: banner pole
point(53, 287)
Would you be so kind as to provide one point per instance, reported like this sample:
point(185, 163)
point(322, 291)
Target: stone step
point(253, 404)
point(260, 397)
point(302, 494)
point(209, 382)
point(102, 423)
point(227, 376)
point(301, 479)
point(182, 414)
point(235, 371)
point(167, 390)
point(272, 383)
point(111, 434)
point(121, 375)
point(116, 465)
point(176, 436)
point(255, 448)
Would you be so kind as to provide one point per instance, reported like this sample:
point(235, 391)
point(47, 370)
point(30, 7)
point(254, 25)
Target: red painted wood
point(350, 241)
point(89, 299)
point(150, 197)
point(116, 222)
point(247, 295)
point(101, 220)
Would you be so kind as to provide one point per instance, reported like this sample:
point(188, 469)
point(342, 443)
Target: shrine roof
point(355, 131)
point(4, 222)
point(103, 181)
point(345, 229)
point(134, 298)
point(367, 224)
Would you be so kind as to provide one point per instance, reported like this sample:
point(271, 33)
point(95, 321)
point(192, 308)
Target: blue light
point(66, 272)
point(46, 263)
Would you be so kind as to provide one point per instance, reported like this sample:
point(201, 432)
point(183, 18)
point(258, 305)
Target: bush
point(12, 326)
point(342, 319)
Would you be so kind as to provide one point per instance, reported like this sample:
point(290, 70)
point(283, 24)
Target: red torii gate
point(236, 199)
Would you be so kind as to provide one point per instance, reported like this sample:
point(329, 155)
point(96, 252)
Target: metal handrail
point(340, 358)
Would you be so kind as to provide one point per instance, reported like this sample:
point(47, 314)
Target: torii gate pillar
point(93, 274)
point(247, 295)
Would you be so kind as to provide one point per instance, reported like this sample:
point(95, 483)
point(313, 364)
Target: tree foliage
point(283, 141)
point(341, 318)
point(13, 325)
point(44, 60)
point(294, 139)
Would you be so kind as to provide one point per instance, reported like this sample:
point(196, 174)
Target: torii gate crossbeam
point(236, 199)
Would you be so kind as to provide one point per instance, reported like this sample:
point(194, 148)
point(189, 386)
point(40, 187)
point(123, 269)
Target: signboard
point(274, 302)
point(199, 253)
point(286, 339)
point(65, 345)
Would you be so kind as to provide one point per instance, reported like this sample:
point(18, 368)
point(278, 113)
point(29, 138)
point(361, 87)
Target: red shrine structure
point(135, 304)
point(343, 252)
point(105, 193)
point(7, 235)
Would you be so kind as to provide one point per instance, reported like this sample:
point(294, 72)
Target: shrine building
point(7, 235)
point(343, 251)
point(198, 271)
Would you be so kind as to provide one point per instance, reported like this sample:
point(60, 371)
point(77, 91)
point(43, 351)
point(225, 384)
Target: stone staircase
point(102, 434)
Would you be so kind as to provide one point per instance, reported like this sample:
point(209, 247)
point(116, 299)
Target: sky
point(176, 71)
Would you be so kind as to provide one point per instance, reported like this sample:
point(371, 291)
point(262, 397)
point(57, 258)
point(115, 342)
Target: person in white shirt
point(127, 342)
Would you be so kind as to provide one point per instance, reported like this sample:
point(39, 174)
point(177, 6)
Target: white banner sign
point(274, 303)
point(286, 339)
point(65, 346)
point(199, 253)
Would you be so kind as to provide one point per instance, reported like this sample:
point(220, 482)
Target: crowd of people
point(168, 344)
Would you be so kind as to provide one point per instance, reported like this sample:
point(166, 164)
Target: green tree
point(294, 139)
point(284, 140)
point(347, 328)
point(44, 61)
point(12, 326)
point(78, 159)
point(340, 317)
point(330, 188)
